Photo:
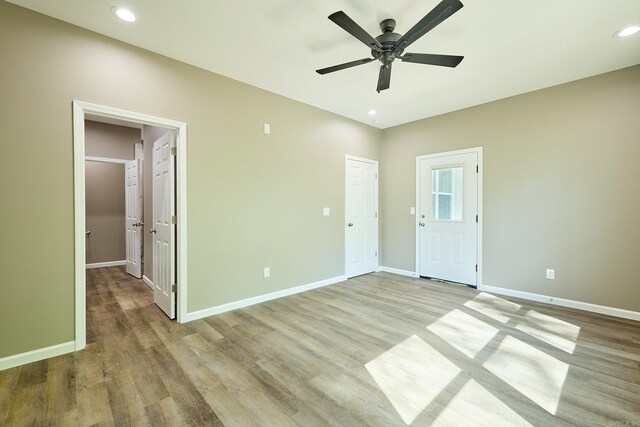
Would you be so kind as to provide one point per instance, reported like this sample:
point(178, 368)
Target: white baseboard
point(260, 298)
point(595, 308)
point(397, 271)
point(148, 281)
point(106, 264)
point(35, 355)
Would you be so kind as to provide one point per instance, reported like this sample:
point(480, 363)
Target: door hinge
point(376, 214)
point(476, 218)
point(376, 176)
point(174, 151)
point(477, 169)
point(376, 253)
point(174, 288)
point(476, 268)
point(174, 219)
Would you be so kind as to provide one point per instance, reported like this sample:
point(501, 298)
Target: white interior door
point(163, 228)
point(361, 216)
point(133, 213)
point(447, 217)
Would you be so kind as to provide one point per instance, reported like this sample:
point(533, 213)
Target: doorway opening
point(169, 210)
point(449, 216)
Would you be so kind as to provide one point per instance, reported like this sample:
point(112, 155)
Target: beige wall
point(105, 211)
point(255, 200)
point(150, 134)
point(110, 141)
point(105, 196)
point(561, 187)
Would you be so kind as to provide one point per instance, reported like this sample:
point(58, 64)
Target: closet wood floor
point(376, 350)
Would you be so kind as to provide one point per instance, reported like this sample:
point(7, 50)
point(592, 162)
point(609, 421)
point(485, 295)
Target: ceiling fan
point(389, 45)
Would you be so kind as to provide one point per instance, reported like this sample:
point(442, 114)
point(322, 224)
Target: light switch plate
point(267, 128)
point(551, 274)
point(326, 211)
point(412, 211)
point(267, 272)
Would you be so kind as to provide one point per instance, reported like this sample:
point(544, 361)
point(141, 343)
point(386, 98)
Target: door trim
point(478, 151)
point(105, 160)
point(346, 194)
point(80, 110)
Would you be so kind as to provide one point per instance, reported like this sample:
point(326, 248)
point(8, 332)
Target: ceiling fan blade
point(355, 30)
point(384, 78)
point(429, 59)
point(345, 65)
point(438, 14)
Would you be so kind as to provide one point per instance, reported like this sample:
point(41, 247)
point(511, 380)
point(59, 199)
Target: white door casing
point(361, 216)
point(447, 236)
point(133, 214)
point(163, 229)
point(81, 111)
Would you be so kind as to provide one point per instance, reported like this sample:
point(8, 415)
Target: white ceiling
point(510, 47)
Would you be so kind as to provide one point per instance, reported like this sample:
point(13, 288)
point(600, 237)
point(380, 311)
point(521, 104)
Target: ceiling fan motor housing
point(388, 41)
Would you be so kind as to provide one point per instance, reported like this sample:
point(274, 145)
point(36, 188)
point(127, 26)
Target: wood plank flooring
point(379, 350)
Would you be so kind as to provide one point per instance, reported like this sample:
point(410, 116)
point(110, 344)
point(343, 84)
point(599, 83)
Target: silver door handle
point(350, 224)
point(421, 224)
point(152, 230)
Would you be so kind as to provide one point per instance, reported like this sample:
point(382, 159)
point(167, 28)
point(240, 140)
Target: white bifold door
point(164, 229)
point(361, 216)
point(133, 214)
point(447, 217)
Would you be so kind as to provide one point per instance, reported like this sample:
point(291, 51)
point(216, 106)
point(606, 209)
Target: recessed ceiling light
point(123, 13)
point(629, 31)
point(372, 112)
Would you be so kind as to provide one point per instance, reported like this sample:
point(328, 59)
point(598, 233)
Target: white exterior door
point(133, 213)
point(361, 216)
point(447, 217)
point(163, 230)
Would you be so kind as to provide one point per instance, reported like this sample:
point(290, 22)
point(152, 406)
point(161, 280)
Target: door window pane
point(444, 206)
point(446, 194)
point(445, 176)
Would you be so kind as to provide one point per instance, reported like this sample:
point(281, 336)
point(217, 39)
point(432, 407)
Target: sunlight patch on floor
point(475, 405)
point(556, 332)
point(492, 306)
point(532, 372)
point(465, 333)
point(411, 375)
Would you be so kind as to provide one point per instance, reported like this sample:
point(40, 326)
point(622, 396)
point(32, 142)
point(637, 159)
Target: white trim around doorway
point(477, 150)
point(80, 111)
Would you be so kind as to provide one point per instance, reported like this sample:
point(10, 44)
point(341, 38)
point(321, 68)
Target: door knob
point(421, 224)
point(152, 230)
point(350, 224)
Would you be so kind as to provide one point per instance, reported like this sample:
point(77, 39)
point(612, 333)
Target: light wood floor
point(378, 350)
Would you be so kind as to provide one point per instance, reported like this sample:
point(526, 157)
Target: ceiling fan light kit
point(389, 45)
